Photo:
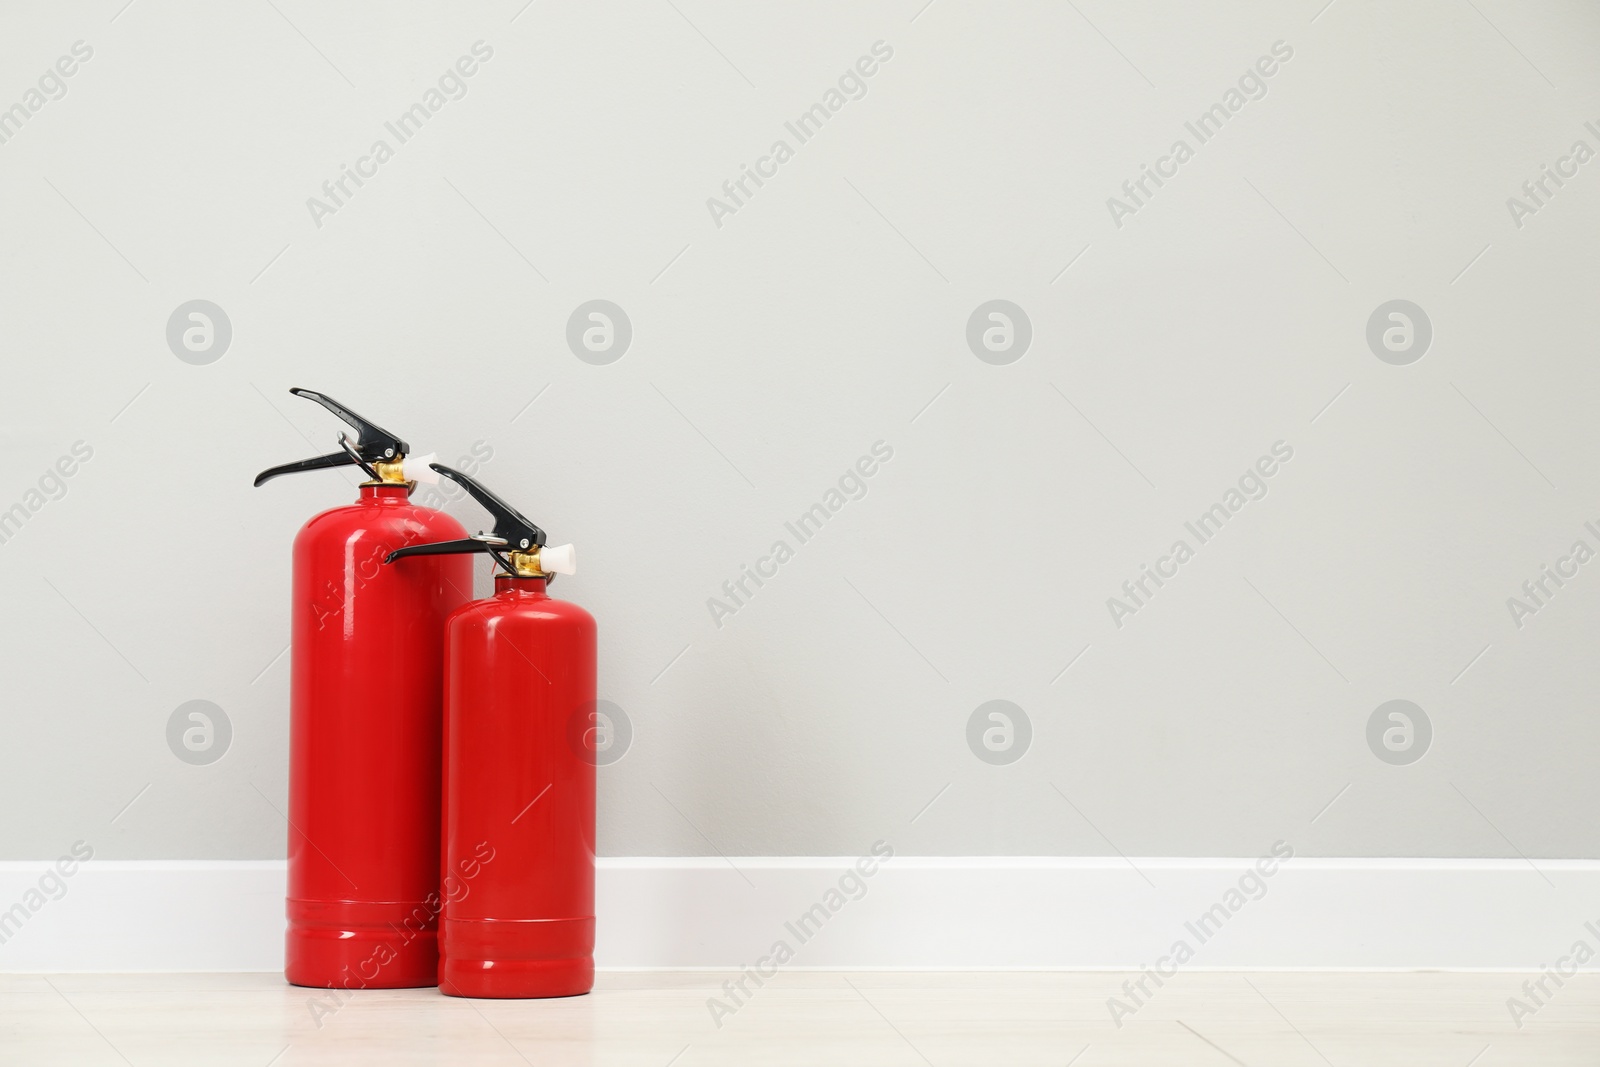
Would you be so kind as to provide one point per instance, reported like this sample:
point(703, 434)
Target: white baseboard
point(916, 913)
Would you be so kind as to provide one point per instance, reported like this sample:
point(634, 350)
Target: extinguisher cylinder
point(519, 796)
point(365, 743)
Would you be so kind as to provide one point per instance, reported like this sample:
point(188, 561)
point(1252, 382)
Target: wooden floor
point(943, 1019)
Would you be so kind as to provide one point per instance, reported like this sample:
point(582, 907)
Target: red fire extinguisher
point(364, 723)
point(519, 771)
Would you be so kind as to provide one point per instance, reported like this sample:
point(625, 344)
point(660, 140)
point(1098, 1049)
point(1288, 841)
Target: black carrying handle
point(373, 443)
point(441, 548)
point(491, 545)
point(335, 459)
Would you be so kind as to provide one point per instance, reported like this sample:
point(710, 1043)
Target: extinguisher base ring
point(351, 945)
point(516, 959)
point(516, 979)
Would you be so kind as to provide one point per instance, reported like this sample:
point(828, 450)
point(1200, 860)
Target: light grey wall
point(1171, 348)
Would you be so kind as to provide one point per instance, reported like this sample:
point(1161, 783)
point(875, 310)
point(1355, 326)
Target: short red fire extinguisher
point(364, 723)
point(519, 771)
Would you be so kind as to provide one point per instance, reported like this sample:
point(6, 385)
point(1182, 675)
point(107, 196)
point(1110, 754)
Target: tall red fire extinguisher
point(519, 771)
point(364, 723)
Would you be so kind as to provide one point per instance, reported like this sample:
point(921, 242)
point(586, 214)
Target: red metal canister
point(365, 729)
point(519, 672)
point(519, 774)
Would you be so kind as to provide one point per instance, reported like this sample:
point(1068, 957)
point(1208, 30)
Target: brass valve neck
point(526, 564)
point(390, 472)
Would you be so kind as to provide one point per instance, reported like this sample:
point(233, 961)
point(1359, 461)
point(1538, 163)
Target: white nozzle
point(558, 559)
point(416, 469)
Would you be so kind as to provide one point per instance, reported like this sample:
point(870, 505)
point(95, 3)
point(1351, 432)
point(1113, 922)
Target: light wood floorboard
point(945, 1019)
